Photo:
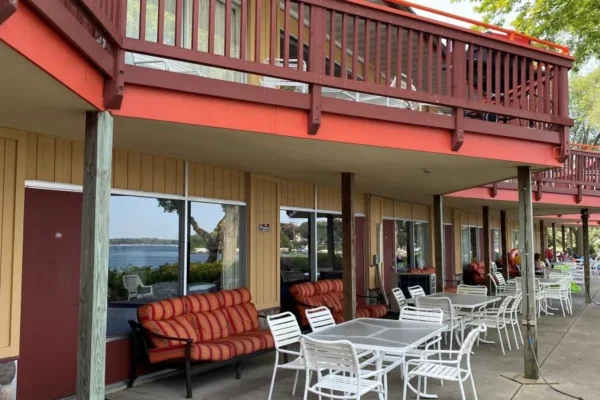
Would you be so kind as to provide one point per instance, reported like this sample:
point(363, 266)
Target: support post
point(487, 251)
point(554, 242)
point(564, 242)
point(412, 262)
point(438, 233)
point(348, 242)
point(571, 239)
point(91, 350)
point(585, 218)
point(504, 239)
point(527, 269)
point(543, 240)
point(312, 248)
point(330, 242)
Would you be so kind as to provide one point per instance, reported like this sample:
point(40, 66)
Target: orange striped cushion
point(303, 290)
point(249, 342)
point(374, 310)
point(242, 318)
point(161, 310)
point(209, 325)
point(177, 327)
point(165, 354)
point(203, 302)
point(236, 296)
point(212, 351)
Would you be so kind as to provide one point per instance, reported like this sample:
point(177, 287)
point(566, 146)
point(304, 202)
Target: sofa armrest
point(158, 335)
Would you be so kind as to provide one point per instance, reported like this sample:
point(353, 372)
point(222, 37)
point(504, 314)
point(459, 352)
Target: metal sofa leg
point(188, 377)
point(238, 370)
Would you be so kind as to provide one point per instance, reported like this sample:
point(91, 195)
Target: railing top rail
point(512, 34)
point(473, 33)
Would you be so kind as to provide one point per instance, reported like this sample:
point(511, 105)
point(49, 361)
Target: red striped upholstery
point(374, 310)
point(161, 310)
point(177, 327)
point(242, 318)
point(209, 325)
point(165, 354)
point(203, 302)
point(249, 342)
point(235, 296)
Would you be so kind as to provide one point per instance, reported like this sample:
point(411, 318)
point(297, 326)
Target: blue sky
point(137, 217)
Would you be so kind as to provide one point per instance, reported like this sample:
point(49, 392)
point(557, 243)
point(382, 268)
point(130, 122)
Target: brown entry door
point(449, 250)
point(48, 353)
point(389, 254)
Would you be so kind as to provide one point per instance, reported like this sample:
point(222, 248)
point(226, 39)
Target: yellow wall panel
point(134, 171)
point(297, 194)
point(420, 212)
point(215, 182)
point(387, 208)
point(374, 217)
point(403, 210)
point(13, 169)
point(263, 250)
point(448, 216)
point(359, 203)
point(119, 173)
point(329, 198)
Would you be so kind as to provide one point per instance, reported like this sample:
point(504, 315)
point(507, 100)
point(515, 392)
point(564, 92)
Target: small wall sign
point(264, 227)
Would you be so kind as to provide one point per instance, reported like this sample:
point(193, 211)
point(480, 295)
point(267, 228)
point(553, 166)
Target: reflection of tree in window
point(294, 245)
point(421, 244)
point(402, 244)
point(329, 246)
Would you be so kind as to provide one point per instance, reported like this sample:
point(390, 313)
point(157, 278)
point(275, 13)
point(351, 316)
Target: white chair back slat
point(467, 346)
point(500, 278)
point(319, 318)
point(437, 303)
point(416, 291)
point(469, 289)
point(284, 328)
point(417, 314)
point(338, 356)
point(399, 296)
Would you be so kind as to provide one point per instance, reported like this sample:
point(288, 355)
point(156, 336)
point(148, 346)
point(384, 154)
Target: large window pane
point(402, 245)
point(217, 256)
point(295, 245)
point(496, 244)
point(143, 256)
point(329, 246)
point(421, 244)
point(469, 245)
point(514, 239)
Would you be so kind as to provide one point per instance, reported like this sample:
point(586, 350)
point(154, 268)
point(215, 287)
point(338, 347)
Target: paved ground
point(568, 353)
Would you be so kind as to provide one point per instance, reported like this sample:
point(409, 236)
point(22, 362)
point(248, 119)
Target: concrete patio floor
point(568, 354)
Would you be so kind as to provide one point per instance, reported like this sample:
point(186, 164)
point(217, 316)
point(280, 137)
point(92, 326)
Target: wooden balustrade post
point(440, 254)
point(554, 242)
point(504, 241)
point(563, 111)
point(580, 177)
point(348, 245)
point(487, 251)
point(316, 64)
point(585, 217)
point(564, 241)
point(458, 91)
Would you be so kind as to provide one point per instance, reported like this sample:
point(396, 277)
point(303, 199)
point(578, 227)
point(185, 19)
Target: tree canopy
point(585, 108)
point(570, 22)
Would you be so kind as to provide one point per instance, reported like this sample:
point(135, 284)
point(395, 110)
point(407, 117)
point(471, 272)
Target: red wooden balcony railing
point(347, 49)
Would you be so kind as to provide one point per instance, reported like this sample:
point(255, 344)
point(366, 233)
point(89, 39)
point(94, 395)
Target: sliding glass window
point(144, 256)
point(469, 245)
point(422, 251)
point(294, 245)
point(329, 246)
point(216, 247)
point(403, 245)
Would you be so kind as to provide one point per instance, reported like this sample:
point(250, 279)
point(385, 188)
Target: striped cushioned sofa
point(329, 293)
point(206, 330)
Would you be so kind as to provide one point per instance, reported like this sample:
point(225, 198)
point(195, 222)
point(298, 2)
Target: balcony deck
point(358, 58)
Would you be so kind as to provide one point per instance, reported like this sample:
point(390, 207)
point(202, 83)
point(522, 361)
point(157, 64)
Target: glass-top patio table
point(549, 282)
point(468, 301)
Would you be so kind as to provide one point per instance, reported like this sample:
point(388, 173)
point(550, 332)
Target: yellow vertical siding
point(329, 198)
point(297, 194)
point(216, 182)
point(13, 159)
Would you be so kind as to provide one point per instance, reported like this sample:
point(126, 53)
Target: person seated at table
point(539, 264)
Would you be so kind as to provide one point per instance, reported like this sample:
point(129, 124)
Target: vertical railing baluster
point(367, 57)
point(332, 46)
point(355, 30)
point(471, 73)
point(497, 76)
point(344, 49)
point(142, 19)
point(479, 73)
point(377, 76)
point(399, 57)
point(243, 29)
point(388, 55)
point(274, 32)
point(488, 76)
point(523, 85)
point(195, 18)
point(178, 23)
point(257, 31)
point(409, 59)
point(161, 22)
point(286, 35)
point(533, 85)
point(547, 89)
point(300, 36)
point(430, 63)
point(212, 10)
point(515, 81)
point(554, 83)
point(505, 91)
point(439, 64)
point(227, 46)
point(449, 61)
point(419, 84)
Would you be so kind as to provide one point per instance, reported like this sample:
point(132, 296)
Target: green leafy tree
point(585, 107)
point(572, 22)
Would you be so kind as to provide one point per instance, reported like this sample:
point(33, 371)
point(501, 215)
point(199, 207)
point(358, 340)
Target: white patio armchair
point(512, 318)
point(560, 292)
point(286, 332)
point(495, 318)
point(447, 369)
point(416, 291)
point(399, 297)
point(540, 298)
point(455, 322)
point(470, 289)
point(346, 378)
point(136, 288)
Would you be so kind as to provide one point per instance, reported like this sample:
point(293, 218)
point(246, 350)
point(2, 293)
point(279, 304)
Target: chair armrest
point(158, 335)
point(432, 361)
point(290, 352)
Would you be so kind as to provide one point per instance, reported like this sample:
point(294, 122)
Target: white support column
point(91, 350)
point(526, 243)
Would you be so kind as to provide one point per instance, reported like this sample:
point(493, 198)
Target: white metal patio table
point(382, 336)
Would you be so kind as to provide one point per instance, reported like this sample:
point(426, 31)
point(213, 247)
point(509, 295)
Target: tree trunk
point(231, 274)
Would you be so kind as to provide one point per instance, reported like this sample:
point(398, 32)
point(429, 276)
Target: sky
point(464, 9)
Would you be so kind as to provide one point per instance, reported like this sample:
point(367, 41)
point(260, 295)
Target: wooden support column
point(348, 246)
point(504, 240)
point(91, 350)
point(438, 233)
point(564, 242)
point(330, 242)
point(487, 250)
point(543, 240)
point(554, 242)
point(585, 218)
point(571, 239)
point(528, 271)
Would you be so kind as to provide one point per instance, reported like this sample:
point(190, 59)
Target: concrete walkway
point(568, 352)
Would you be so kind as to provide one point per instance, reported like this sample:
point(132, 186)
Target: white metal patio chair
point(560, 292)
point(495, 318)
point(136, 288)
point(448, 369)
point(416, 291)
point(455, 322)
point(286, 332)
point(512, 317)
point(540, 298)
point(399, 297)
point(345, 379)
point(470, 289)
